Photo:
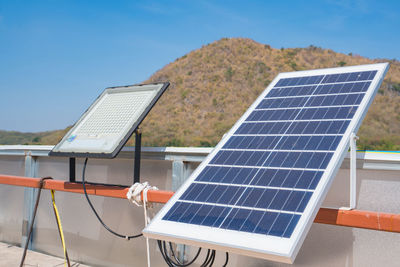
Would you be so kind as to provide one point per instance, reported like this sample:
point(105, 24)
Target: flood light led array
point(109, 122)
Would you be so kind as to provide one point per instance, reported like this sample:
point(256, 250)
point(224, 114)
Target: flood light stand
point(136, 174)
point(72, 164)
point(108, 123)
point(138, 148)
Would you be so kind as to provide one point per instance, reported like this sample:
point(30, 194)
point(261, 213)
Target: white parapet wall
point(378, 187)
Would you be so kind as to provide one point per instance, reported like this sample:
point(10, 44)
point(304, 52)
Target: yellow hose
point(59, 226)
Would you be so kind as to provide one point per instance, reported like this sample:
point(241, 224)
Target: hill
point(212, 86)
point(41, 138)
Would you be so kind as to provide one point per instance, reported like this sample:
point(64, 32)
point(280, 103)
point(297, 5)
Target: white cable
point(134, 195)
point(146, 221)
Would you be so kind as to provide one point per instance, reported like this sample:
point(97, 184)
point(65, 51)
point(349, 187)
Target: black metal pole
point(72, 163)
point(138, 146)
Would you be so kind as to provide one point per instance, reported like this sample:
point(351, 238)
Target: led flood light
point(109, 122)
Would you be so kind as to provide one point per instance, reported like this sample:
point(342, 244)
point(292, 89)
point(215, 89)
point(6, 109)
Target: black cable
point(178, 263)
point(170, 261)
point(174, 262)
point(226, 260)
point(33, 219)
point(166, 253)
point(163, 253)
point(95, 212)
point(173, 253)
point(206, 259)
point(213, 259)
point(209, 260)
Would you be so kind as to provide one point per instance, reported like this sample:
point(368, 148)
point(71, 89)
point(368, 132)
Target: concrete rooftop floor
point(10, 255)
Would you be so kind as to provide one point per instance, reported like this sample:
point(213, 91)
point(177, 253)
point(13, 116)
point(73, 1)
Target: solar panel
point(109, 122)
point(259, 190)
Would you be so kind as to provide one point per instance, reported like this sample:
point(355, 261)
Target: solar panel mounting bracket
point(353, 172)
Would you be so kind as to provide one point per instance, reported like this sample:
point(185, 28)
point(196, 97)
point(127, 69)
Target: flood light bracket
point(136, 166)
point(106, 126)
point(138, 149)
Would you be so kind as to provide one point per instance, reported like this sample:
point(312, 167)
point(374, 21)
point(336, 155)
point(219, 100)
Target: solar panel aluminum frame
point(125, 138)
point(255, 245)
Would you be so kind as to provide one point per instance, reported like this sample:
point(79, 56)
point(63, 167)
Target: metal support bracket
point(181, 170)
point(72, 170)
point(30, 194)
point(136, 171)
point(353, 172)
point(138, 150)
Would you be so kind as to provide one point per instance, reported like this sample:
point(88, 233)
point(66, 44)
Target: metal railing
point(351, 218)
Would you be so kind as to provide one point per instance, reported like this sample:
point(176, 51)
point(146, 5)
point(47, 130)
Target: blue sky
point(57, 56)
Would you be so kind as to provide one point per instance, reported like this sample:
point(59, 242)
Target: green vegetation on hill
point(42, 138)
point(212, 86)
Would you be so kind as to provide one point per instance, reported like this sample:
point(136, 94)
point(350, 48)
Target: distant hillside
point(212, 86)
point(42, 138)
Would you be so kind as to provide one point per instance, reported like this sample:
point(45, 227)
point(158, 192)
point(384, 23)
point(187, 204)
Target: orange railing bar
point(360, 219)
point(97, 190)
point(351, 218)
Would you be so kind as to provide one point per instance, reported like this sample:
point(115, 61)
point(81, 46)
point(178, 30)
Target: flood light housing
point(109, 122)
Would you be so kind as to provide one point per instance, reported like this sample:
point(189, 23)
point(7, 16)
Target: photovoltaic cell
point(263, 175)
point(311, 104)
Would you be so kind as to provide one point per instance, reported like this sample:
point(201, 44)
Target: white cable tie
point(134, 196)
point(135, 191)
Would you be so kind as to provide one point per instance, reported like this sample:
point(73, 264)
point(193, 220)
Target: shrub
point(204, 143)
point(261, 67)
point(292, 53)
point(229, 74)
point(215, 103)
point(184, 94)
point(267, 82)
point(396, 87)
point(293, 65)
point(174, 142)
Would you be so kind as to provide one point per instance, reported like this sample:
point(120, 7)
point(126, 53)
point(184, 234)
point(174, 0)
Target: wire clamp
point(134, 193)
